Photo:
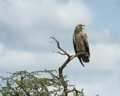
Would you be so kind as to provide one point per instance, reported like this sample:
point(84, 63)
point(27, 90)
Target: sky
point(27, 25)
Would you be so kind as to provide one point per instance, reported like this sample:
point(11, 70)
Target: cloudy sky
point(27, 25)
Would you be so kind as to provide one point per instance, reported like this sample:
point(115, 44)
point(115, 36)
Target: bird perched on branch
point(80, 43)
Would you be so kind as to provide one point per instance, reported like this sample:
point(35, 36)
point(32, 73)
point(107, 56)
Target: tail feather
point(85, 59)
point(81, 61)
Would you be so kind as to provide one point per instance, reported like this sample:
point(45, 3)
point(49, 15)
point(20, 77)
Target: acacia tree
point(23, 83)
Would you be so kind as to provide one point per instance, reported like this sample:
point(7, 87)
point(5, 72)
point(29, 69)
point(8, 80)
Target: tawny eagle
point(80, 43)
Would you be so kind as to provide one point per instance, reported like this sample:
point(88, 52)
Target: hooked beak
point(83, 25)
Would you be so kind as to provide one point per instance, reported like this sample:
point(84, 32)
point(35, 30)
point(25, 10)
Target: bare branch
point(76, 91)
point(78, 54)
point(58, 45)
point(59, 53)
point(70, 57)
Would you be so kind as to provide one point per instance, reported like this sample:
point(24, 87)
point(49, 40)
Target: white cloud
point(74, 13)
point(105, 56)
point(44, 12)
point(102, 85)
point(96, 78)
point(16, 59)
point(1, 48)
point(29, 24)
point(26, 60)
point(32, 22)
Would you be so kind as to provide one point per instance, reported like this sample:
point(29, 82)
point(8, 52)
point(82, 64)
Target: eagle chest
point(79, 42)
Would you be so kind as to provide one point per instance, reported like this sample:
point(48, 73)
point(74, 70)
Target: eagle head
point(79, 27)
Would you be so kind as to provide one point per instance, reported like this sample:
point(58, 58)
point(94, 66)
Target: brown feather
point(80, 43)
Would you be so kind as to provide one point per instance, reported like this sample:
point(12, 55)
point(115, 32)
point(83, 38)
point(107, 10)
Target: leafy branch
point(23, 83)
point(70, 57)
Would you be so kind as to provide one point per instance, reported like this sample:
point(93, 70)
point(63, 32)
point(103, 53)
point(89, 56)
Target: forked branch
point(70, 57)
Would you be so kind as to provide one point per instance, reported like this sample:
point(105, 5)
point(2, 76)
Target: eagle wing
point(85, 39)
point(86, 45)
point(74, 45)
point(77, 52)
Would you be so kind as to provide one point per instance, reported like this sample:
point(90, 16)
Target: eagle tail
point(85, 59)
point(81, 61)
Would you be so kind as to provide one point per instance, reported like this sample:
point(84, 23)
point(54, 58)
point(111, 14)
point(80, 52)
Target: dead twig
point(59, 53)
point(58, 45)
point(70, 57)
point(76, 91)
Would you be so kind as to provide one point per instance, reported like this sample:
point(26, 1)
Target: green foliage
point(37, 83)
